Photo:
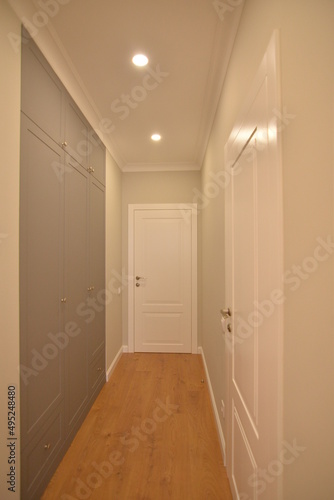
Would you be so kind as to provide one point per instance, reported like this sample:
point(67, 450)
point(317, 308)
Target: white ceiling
point(188, 43)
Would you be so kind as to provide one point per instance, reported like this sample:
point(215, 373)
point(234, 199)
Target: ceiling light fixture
point(156, 137)
point(140, 60)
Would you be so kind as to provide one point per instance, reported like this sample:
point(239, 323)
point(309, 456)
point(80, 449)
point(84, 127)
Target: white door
point(163, 256)
point(254, 293)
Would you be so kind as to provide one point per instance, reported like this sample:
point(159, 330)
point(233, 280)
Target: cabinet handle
point(99, 369)
point(91, 169)
point(64, 300)
point(47, 446)
point(91, 288)
point(64, 144)
point(226, 313)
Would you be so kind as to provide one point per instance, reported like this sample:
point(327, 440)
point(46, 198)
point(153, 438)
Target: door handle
point(226, 313)
point(140, 278)
point(137, 285)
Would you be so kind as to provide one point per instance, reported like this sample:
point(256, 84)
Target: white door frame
point(131, 287)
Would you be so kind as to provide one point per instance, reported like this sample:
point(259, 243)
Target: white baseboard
point(115, 361)
point(215, 409)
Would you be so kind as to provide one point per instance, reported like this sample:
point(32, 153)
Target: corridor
point(150, 435)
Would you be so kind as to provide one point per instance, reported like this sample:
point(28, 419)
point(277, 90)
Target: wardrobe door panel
point(76, 134)
point(97, 370)
point(97, 158)
point(76, 279)
point(96, 335)
point(41, 240)
point(40, 455)
point(41, 94)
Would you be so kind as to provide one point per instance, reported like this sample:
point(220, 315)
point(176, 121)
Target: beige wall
point(113, 258)
point(307, 42)
point(9, 231)
point(307, 88)
point(155, 187)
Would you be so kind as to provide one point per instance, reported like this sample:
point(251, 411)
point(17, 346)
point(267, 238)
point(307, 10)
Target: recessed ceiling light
point(140, 60)
point(156, 137)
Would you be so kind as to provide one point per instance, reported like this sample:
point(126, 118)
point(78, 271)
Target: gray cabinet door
point(98, 298)
point(76, 283)
point(76, 142)
point(41, 92)
point(97, 372)
point(41, 278)
point(97, 158)
point(39, 457)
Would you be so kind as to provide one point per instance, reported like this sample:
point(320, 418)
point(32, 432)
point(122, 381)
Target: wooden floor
point(150, 435)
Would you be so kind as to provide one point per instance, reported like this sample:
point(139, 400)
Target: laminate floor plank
point(150, 435)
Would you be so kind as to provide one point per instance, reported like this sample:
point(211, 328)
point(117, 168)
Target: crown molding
point(54, 51)
point(224, 41)
point(160, 167)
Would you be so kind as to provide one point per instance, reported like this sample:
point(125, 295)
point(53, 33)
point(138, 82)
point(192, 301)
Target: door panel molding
point(188, 210)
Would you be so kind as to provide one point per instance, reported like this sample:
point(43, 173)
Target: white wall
point(156, 187)
point(307, 42)
point(9, 232)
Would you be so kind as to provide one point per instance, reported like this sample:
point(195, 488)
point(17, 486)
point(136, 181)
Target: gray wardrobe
point(62, 270)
